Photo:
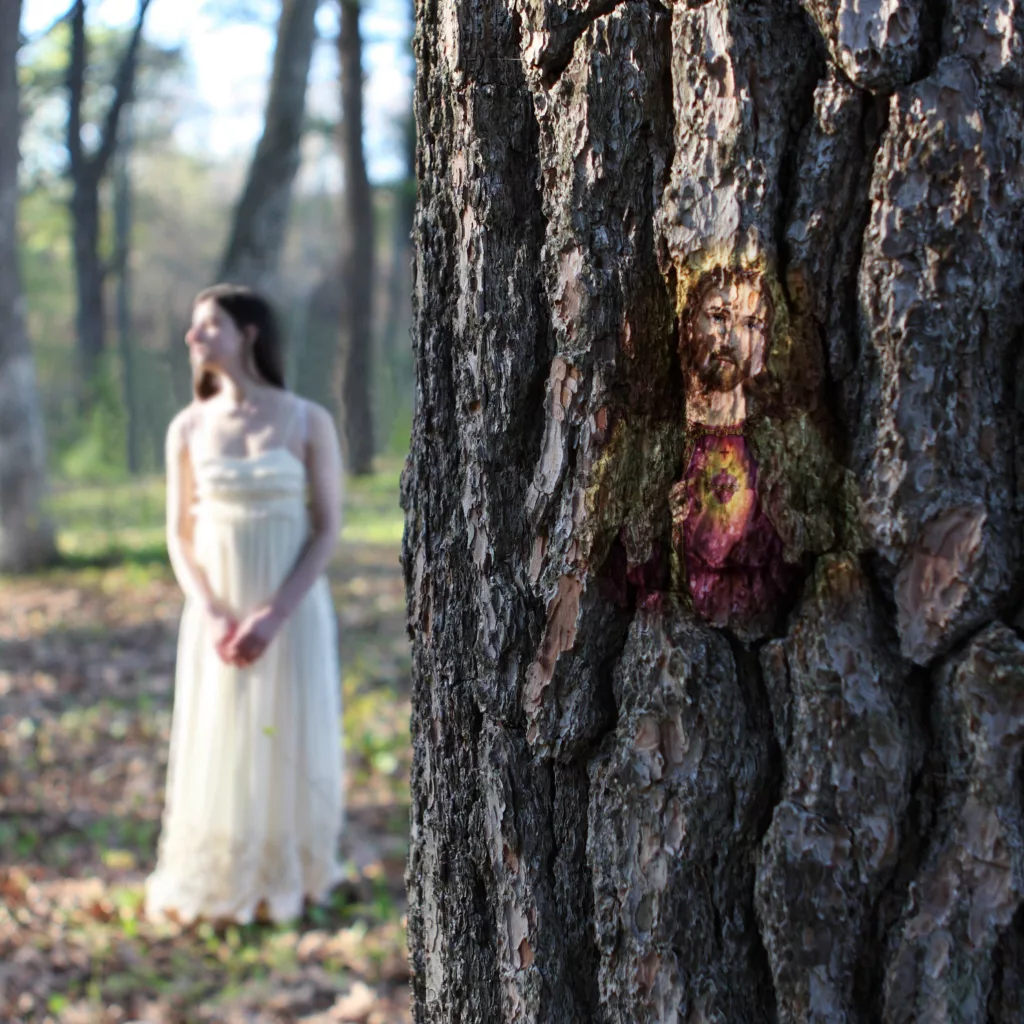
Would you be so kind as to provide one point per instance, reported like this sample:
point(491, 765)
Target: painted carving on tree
point(727, 554)
point(702, 495)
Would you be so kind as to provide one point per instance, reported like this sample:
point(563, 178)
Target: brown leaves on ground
point(86, 684)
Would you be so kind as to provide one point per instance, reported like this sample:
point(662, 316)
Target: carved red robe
point(732, 554)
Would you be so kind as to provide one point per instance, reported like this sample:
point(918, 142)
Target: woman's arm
point(180, 496)
point(326, 483)
point(323, 463)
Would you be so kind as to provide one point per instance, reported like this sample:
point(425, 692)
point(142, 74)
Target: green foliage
point(372, 514)
point(122, 521)
point(99, 452)
point(401, 431)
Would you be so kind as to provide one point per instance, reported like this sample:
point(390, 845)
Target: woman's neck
point(239, 391)
point(716, 408)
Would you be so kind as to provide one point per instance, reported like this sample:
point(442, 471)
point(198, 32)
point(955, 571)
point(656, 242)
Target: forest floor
point(86, 678)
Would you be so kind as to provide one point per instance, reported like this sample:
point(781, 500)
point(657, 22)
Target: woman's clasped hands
point(243, 642)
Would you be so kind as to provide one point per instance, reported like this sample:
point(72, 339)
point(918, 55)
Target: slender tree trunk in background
point(123, 248)
point(621, 812)
point(87, 171)
point(355, 383)
point(318, 366)
point(394, 334)
point(261, 217)
point(90, 280)
point(26, 536)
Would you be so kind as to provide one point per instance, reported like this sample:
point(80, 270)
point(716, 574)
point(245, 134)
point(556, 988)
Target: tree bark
point(26, 535)
point(87, 171)
point(625, 808)
point(355, 370)
point(261, 216)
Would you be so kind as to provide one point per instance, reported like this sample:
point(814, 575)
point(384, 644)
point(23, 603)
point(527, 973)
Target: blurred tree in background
point(26, 538)
point(176, 208)
point(88, 167)
point(357, 263)
point(261, 216)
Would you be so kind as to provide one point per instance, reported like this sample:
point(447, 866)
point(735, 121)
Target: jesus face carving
point(728, 333)
point(729, 551)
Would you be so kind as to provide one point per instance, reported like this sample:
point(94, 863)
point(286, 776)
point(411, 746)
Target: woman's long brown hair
point(247, 309)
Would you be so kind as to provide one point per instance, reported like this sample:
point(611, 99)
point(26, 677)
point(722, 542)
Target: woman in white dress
point(254, 493)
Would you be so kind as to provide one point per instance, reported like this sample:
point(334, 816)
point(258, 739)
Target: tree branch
point(76, 86)
point(124, 82)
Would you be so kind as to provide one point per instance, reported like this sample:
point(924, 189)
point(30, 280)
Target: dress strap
point(189, 436)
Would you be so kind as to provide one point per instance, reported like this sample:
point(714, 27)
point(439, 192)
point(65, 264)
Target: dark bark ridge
point(689, 769)
point(839, 701)
point(620, 813)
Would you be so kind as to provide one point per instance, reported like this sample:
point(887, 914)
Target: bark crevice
point(558, 53)
point(920, 825)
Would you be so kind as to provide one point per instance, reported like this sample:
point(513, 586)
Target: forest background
point(87, 635)
point(186, 142)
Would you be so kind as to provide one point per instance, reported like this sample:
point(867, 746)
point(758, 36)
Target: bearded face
point(728, 334)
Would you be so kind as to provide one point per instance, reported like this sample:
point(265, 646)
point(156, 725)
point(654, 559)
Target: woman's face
point(214, 339)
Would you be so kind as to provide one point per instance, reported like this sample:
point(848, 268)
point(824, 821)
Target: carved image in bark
point(628, 806)
point(725, 547)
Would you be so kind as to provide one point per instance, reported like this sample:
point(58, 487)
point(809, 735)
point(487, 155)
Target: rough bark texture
point(87, 171)
point(839, 701)
point(689, 769)
point(620, 813)
point(355, 369)
point(261, 216)
point(26, 537)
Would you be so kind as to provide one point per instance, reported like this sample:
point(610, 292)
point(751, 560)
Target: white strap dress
point(254, 786)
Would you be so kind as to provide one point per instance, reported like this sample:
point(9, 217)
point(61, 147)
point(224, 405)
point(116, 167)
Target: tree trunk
point(261, 216)
point(26, 536)
point(87, 172)
point(355, 384)
point(717, 716)
point(123, 249)
point(90, 281)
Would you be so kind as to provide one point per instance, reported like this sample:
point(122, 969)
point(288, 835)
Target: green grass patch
point(122, 522)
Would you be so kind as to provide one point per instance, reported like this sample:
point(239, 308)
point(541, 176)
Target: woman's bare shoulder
point(181, 427)
point(318, 418)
